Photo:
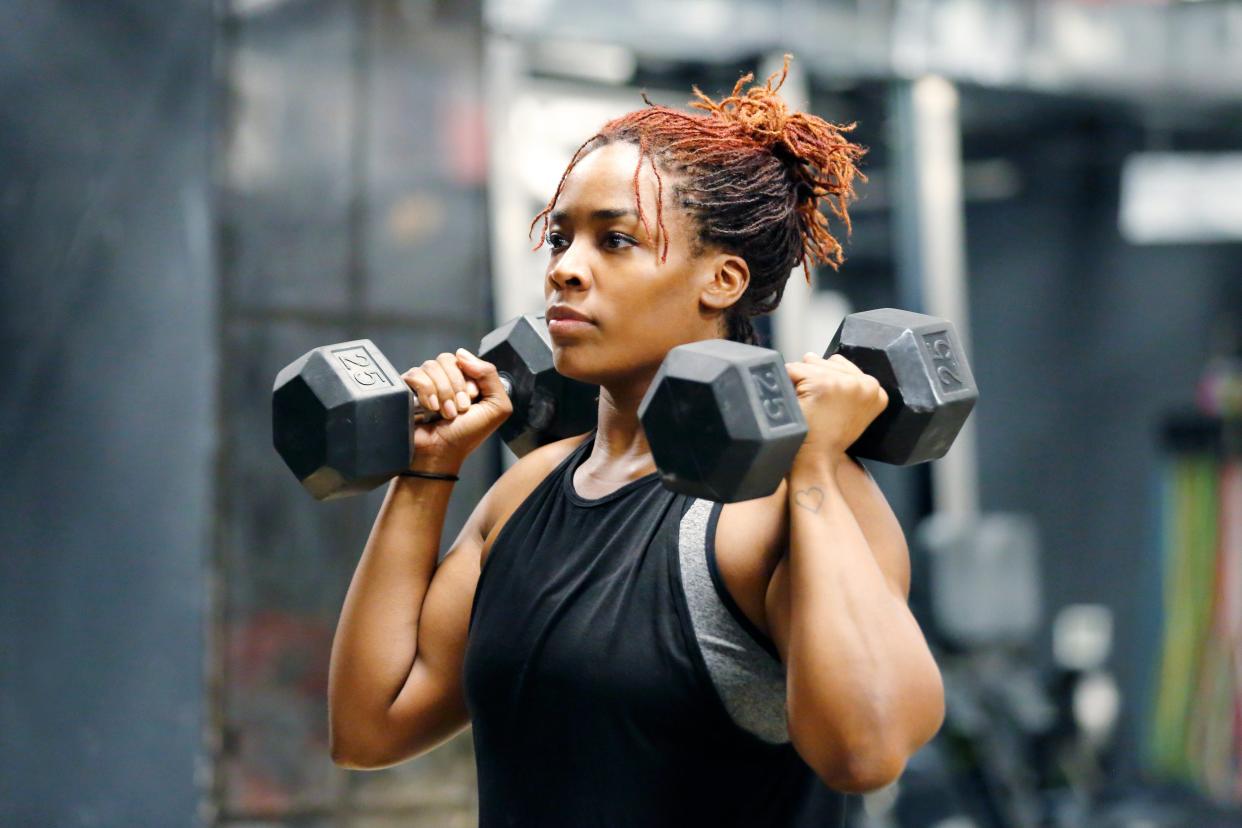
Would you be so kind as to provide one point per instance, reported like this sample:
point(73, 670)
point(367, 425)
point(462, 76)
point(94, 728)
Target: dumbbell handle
point(421, 415)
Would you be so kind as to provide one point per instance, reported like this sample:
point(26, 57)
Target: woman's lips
point(567, 326)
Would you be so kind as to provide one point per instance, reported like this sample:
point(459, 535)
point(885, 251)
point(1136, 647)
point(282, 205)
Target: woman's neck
point(621, 451)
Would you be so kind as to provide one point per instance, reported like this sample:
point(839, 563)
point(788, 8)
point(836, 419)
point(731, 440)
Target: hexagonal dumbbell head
point(722, 420)
point(920, 363)
point(341, 413)
point(340, 419)
point(546, 405)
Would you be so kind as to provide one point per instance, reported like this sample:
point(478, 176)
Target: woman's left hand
point(838, 401)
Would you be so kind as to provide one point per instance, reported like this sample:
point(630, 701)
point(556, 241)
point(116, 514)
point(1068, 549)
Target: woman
point(627, 655)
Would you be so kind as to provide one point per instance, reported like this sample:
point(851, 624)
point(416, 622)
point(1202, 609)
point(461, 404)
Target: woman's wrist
point(433, 467)
point(422, 475)
point(815, 461)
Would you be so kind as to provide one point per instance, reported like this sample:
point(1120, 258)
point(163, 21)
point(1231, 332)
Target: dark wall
point(1083, 343)
point(106, 411)
point(350, 203)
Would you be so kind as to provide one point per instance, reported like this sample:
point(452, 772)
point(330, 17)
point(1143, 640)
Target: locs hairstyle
point(752, 174)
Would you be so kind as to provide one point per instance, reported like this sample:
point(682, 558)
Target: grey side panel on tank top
point(749, 680)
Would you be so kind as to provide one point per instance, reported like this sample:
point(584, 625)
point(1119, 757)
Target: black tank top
point(590, 701)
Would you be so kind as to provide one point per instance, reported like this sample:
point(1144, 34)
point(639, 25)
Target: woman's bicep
point(430, 706)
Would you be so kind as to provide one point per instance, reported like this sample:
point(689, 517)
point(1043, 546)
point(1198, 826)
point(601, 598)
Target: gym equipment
point(342, 415)
point(723, 421)
point(985, 612)
point(921, 365)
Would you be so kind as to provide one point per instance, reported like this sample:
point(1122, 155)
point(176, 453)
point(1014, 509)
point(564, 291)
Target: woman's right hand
point(466, 392)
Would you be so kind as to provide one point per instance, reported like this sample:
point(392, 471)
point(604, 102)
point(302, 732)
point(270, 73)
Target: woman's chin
point(574, 367)
point(574, 372)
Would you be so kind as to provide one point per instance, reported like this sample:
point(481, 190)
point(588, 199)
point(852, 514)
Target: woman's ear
point(730, 276)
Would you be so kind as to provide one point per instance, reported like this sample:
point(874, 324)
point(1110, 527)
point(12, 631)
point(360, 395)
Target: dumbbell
point(342, 415)
point(723, 421)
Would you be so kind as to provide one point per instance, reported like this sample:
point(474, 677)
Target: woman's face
point(606, 265)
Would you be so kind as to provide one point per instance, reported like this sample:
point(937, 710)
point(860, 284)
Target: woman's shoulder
point(520, 479)
point(750, 540)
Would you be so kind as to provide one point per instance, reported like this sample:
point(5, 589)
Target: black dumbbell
point(341, 414)
point(723, 419)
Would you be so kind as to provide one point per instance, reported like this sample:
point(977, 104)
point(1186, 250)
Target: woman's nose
point(569, 270)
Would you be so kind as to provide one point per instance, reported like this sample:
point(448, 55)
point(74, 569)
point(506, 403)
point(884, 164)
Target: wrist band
point(428, 475)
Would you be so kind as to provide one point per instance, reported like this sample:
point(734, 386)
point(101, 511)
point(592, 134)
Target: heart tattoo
point(810, 499)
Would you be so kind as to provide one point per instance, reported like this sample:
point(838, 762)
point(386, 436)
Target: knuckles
point(863, 387)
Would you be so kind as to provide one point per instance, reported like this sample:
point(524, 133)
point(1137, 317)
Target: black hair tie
point(428, 475)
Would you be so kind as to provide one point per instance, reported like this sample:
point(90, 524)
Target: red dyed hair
point(754, 176)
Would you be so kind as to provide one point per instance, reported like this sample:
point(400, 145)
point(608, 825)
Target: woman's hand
point(467, 394)
point(838, 401)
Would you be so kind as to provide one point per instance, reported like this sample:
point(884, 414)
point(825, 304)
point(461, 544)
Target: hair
point(752, 174)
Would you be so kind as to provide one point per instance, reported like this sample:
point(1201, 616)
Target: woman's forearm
point(863, 689)
point(377, 634)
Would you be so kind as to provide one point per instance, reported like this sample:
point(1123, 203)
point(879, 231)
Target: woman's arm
point(863, 691)
point(394, 681)
point(394, 678)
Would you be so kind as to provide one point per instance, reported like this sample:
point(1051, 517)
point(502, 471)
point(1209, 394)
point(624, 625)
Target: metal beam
point(931, 256)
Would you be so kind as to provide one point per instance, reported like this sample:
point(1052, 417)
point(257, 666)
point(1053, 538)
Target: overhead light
point(1181, 197)
point(253, 8)
point(599, 62)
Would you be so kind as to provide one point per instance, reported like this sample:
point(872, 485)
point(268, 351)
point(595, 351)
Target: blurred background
point(194, 193)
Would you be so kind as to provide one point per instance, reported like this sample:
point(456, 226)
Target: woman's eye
point(618, 240)
point(555, 241)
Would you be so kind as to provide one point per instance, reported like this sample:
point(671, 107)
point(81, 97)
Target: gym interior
point(193, 194)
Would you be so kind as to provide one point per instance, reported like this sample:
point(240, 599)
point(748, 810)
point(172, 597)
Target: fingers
point(442, 387)
point(800, 370)
point(461, 398)
point(439, 386)
point(836, 362)
point(423, 387)
point(814, 366)
point(451, 383)
point(841, 363)
point(486, 378)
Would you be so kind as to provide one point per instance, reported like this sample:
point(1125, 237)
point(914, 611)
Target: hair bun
point(759, 111)
point(823, 161)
